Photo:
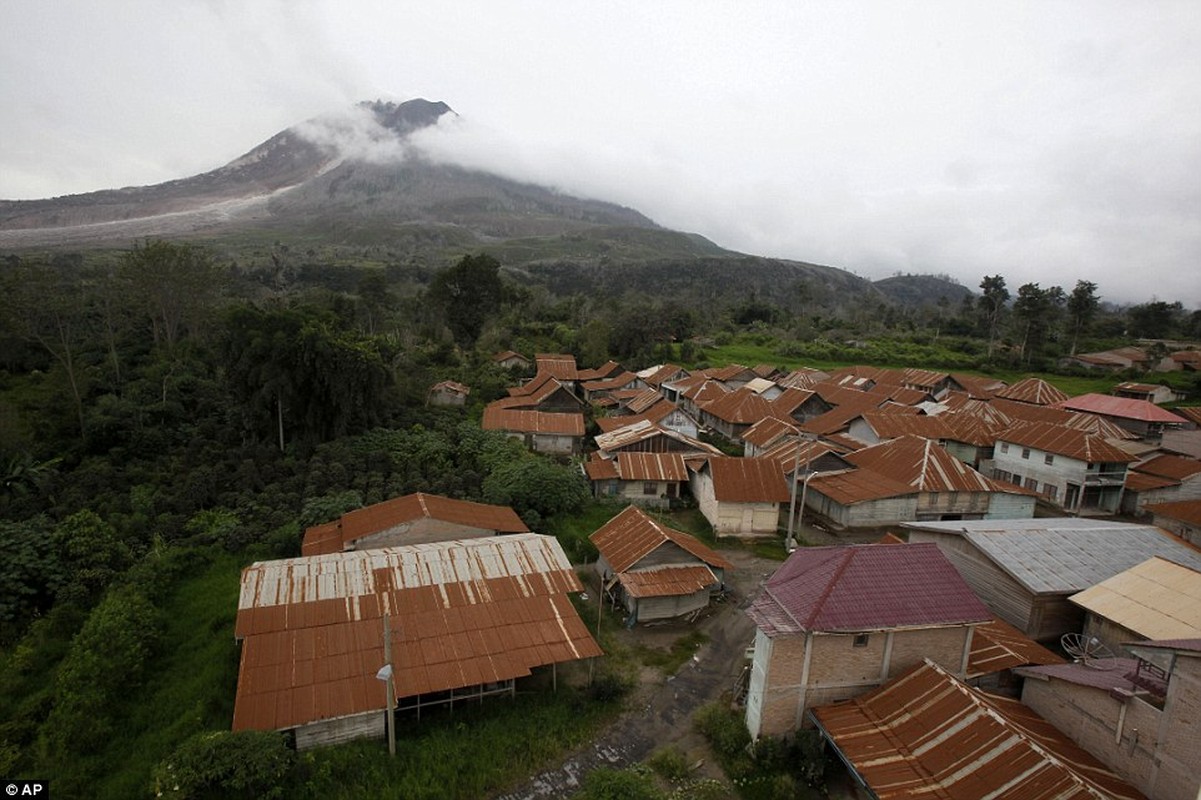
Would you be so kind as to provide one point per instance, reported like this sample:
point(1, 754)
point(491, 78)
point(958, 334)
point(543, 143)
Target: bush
point(535, 484)
point(669, 763)
point(606, 783)
point(726, 731)
point(250, 764)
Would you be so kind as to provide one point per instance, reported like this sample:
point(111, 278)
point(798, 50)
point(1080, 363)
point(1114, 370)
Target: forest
point(169, 415)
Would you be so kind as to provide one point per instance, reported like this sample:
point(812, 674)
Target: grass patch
point(573, 531)
point(669, 660)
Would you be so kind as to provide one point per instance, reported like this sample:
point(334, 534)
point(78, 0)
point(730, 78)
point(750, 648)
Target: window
point(1032, 484)
point(1001, 474)
point(1050, 490)
point(1016, 479)
point(1004, 447)
point(861, 639)
point(1026, 452)
point(650, 488)
point(1048, 459)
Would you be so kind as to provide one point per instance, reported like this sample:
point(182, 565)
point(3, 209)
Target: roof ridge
point(847, 557)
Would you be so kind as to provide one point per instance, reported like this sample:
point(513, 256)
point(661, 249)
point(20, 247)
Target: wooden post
point(389, 687)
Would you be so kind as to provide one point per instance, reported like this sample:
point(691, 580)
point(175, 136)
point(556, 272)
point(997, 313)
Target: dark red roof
point(865, 587)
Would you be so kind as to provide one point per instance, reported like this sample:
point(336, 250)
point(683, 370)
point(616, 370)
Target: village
point(989, 589)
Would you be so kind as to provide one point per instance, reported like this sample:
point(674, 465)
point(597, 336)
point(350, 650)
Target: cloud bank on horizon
point(1044, 142)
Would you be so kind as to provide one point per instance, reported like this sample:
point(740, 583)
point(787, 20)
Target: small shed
point(656, 572)
point(740, 496)
point(648, 479)
point(447, 393)
point(541, 431)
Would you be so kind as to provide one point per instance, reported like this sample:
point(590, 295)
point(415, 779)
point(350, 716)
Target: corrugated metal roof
point(332, 537)
point(1188, 511)
point(857, 486)
point(667, 581)
point(926, 734)
point(1065, 555)
point(741, 407)
point(561, 365)
point(599, 468)
point(1123, 407)
point(641, 430)
point(863, 588)
point(657, 375)
point(803, 378)
point(998, 645)
point(1069, 442)
point(769, 430)
point(891, 426)
point(925, 465)
point(503, 419)
point(632, 535)
point(463, 613)
point(1083, 674)
point(1156, 599)
point(1035, 391)
point(634, 466)
point(619, 381)
point(1141, 482)
point(1170, 466)
point(747, 480)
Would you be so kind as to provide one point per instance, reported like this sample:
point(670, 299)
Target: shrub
point(726, 731)
point(606, 783)
point(250, 764)
point(669, 763)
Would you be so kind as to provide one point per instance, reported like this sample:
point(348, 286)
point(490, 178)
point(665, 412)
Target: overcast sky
point(1048, 142)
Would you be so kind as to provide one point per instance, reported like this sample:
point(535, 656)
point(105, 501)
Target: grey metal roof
point(1062, 555)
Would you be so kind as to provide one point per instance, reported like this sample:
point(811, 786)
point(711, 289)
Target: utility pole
point(389, 686)
point(789, 542)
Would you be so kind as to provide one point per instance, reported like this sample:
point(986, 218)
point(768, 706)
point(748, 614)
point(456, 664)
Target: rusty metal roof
point(1034, 391)
point(561, 365)
point(622, 380)
point(1184, 510)
point(667, 581)
point(1170, 466)
point(997, 645)
point(1123, 407)
point(599, 468)
point(768, 431)
point(517, 421)
point(1142, 482)
point(747, 480)
point(1064, 441)
point(887, 425)
point(639, 432)
point(632, 535)
point(633, 466)
point(864, 588)
point(1088, 423)
point(923, 464)
point(741, 406)
point(1156, 599)
point(928, 734)
point(333, 536)
point(857, 486)
point(462, 613)
point(657, 375)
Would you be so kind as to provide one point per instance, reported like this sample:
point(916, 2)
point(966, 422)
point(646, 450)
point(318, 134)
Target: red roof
point(858, 486)
point(927, 734)
point(332, 537)
point(740, 407)
point(1121, 407)
point(747, 480)
point(561, 365)
point(863, 588)
point(1170, 466)
point(998, 646)
point(1188, 511)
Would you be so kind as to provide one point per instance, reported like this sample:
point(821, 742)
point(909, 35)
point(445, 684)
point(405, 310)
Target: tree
point(1155, 320)
point(468, 293)
point(175, 284)
point(535, 484)
point(1082, 307)
point(992, 303)
point(250, 764)
point(1035, 311)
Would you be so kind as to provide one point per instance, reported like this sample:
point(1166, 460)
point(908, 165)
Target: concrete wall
point(371, 725)
point(1010, 506)
point(733, 519)
point(1155, 750)
point(867, 514)
point(1059, 473)
point(554, 444)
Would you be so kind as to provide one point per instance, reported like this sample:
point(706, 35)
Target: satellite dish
point(1088, 650)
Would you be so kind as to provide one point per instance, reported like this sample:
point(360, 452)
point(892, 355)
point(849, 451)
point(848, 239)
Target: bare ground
point(659, 712)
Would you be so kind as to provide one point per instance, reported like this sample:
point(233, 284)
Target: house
point(971, 436)
point(1116, 360)
point(466, 619)
point(802, 378)
point(447, 393)
point(1161, 479)
point(1142, 418)
point(542, 432)
point(558, 365)
point(765, 434)
point(1157, 599)
point(511, 360)
point(610, 369)
point(1182, 518)
point(654, 571)
point(859, 498)
point(1078, 471)
point(660, 374)
point(1026, 570)
point(544, 393)
point(692, 392)
point(799, 405)
point(928, 734)
point(873, 427)
point(740, 496)
point(947, 488)
point(835, 622)
point(1032, 391)
point(1137, 715)
point(648, 479)
point(412, 519)
point(599, 388)
point(1156, 393)
point(733, 413)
